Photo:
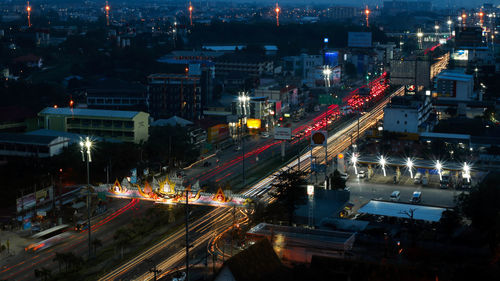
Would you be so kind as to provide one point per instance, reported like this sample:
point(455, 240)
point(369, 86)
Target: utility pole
point(85, 146)
point(187, 234)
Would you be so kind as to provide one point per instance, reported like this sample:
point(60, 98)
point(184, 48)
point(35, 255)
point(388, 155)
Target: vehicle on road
point(418, 178)
point(416, 197)
point(264, 135)
point(81, 225)
point(395, 195)
point(237, 148)
point(49, 238)
point(362, 174)
point(344, 176)
point(446, 180)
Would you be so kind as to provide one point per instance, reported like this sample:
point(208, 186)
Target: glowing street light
point(382, 163)
point(85, 148)
point(367, 13)
point(354, 160)
point(439, 167)
point(409, 164)
point(277, 10)
point(466, 172)
point(420, 34)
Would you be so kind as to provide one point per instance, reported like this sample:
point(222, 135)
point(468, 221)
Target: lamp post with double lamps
point(409, 164)
point(85, 148)
point(243, 101)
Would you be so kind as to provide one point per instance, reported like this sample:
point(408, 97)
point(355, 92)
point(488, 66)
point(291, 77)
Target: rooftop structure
point(401, 210)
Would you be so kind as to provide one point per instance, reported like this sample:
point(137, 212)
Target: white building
point(454, 85)
point(408, 114)
point(24, 145)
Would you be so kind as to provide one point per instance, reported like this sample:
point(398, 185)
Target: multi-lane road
point(22, 266)
point(168, 254)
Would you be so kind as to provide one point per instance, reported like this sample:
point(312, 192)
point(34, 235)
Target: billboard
point(282, 133)
point(253, 123)
point(359, 39)
point(331, 58)
point(28, 201)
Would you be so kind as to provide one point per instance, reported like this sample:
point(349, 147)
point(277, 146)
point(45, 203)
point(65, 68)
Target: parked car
point(418, 178)
point(344, 176)
point(416, 197)
point(362, 174)
point(395, 195)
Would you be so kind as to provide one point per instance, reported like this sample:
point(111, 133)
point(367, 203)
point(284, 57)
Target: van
point(395, 195)
point(416, 198)
point(418, 178)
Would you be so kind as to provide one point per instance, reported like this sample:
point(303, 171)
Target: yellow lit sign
point(253, 123)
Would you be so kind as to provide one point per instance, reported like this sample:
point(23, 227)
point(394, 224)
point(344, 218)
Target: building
point(298, 245)
point(454, 85)
point(396, 7)
point(287, 96)
point(301, 65)
point(23, 145)
point(117, 95)
point(408, 114)
point(127, 126)
point(342, 13)
point(410, 72)
point(258, 262)
point(175, 94)
point(251, 65)
point(197, 136)
point(257, 113)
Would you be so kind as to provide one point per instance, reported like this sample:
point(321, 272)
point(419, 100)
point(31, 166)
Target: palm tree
point(95, 244)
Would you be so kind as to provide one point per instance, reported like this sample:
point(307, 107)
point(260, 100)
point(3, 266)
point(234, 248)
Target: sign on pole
point(319, 138)
point(282, 133)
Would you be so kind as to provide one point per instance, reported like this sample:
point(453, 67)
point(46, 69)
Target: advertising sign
point(282, 133)
point(359, 39)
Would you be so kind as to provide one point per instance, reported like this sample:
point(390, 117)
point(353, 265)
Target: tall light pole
point(466, 172)
point(277, 10)
point(28, 9)
point(382, 163)
point(449, 22)
point(190, 14)
point(367, 14)
point(420, 34)
point(436, 28)
point(85, 147)
point(243, 100)
point(439, 167)
point(409, 164)
point(107, 8)
point(354, 160)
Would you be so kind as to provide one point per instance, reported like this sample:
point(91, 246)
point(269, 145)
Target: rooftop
point(402, 210)
point(66, 111)
point(26, 139)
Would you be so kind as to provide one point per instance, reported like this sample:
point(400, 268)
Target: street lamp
point(466, 172)
point(243, 101)
point(354, 160)
point(439, 167)
point(409, 164)
point(449, 22)
point(85, 148)
point(382, 163)
point(327, 71)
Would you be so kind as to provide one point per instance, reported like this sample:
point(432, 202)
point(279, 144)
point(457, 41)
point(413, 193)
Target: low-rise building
point(408, 114)
point(117, 95)
point(24, 145)
point(127, 126)
point(454, 85)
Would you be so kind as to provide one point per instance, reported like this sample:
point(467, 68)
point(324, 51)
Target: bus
point(49, 237)
point(51, 232)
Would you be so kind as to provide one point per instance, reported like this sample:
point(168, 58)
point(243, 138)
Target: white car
point(361, 174)
point(344, 176)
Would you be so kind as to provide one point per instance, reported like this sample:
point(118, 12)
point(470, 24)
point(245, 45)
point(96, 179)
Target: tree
point(350, 70)
point(96, 243)
point(481, 206)
point(60, 258)
point(43, 273)
point(336, 181)
point(290, 191)
point(122, 238)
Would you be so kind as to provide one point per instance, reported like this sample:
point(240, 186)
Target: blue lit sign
point(325, 40)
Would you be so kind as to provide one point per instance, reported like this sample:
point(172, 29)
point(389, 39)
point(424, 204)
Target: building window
point(406, 115)
point(397, 122)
